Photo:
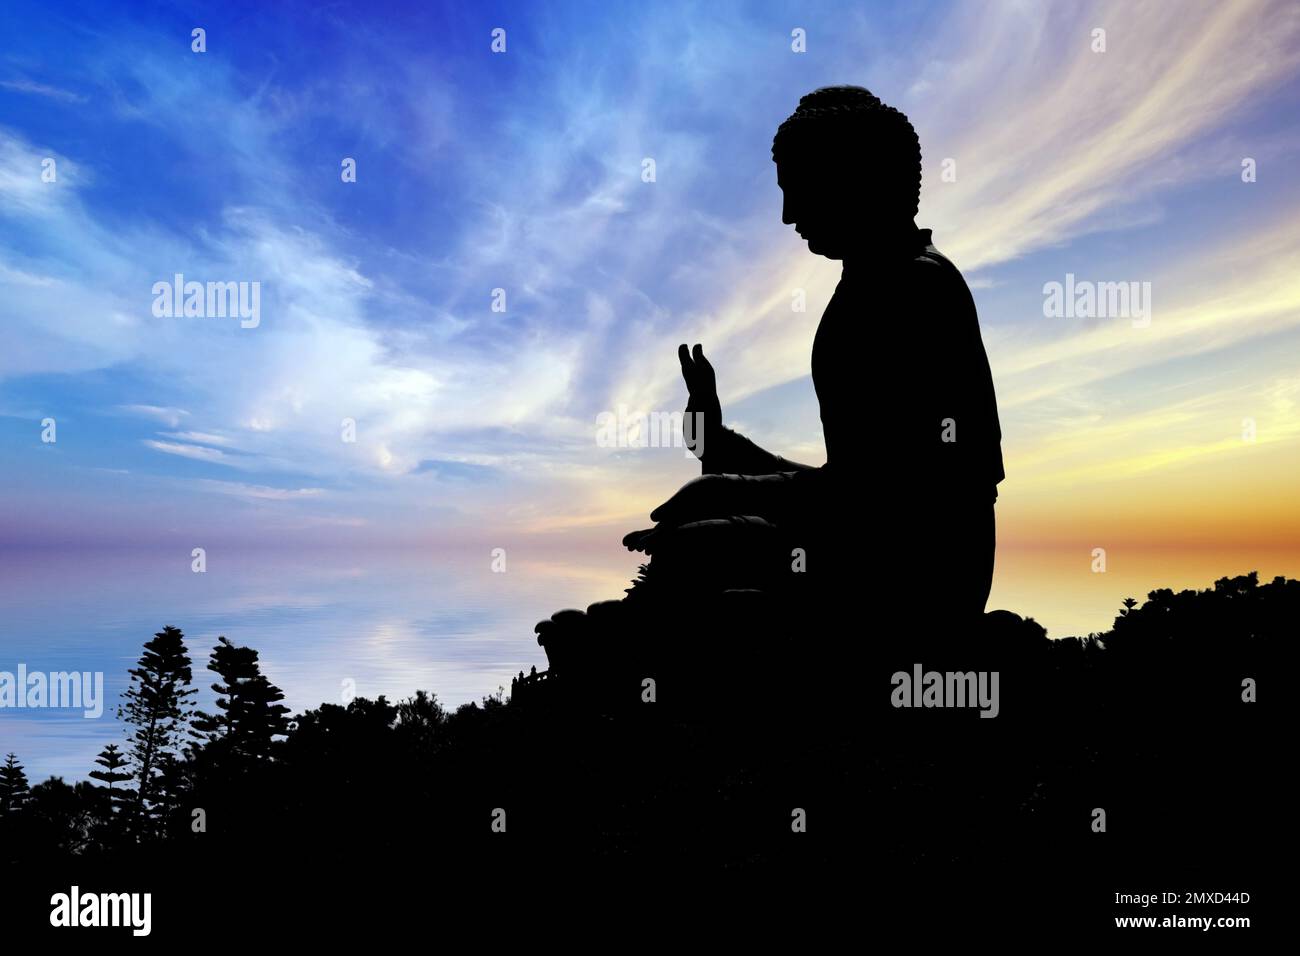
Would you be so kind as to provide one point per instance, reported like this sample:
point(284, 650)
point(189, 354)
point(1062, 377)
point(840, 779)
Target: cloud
point(197, 452)
point(257, 492)
point(202, 438)
point(18, 277)
point(1243, 288)
point(41, 89)
point(169, 416)
point(454, 469)
point(1051, 139)
point(24, 191)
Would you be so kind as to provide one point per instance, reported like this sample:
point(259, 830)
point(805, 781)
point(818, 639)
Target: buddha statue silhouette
point(903, 509)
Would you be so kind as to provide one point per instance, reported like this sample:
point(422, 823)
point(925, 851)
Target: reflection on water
point(391, 623)
point(395, 623)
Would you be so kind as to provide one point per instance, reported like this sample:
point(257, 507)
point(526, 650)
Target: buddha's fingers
point(635, 540)
point(704, 368)
point(688, 367)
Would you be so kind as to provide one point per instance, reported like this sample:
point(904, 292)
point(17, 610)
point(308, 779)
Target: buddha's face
point(824, 209)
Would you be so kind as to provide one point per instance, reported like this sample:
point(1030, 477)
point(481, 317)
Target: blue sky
point(522, 171)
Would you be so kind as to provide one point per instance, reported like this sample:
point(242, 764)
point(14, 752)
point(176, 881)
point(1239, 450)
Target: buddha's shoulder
point(930, 260)
point(931, 269)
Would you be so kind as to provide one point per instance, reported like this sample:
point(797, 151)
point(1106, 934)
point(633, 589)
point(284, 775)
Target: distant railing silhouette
point(526, 683)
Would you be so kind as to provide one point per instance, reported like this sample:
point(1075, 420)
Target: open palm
point(703, 421)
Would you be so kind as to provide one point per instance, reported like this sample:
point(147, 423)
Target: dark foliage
point(757, 713)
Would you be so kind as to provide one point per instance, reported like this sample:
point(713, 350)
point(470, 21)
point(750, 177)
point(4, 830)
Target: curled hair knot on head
point(849, 122)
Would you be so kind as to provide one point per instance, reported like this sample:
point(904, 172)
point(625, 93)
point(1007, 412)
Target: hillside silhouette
point(1147, 721)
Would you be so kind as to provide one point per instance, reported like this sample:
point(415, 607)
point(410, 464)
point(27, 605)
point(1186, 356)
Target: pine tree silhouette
point(13, 785)
point(156, 704)
point(113, 760)
point(251, 715)
point(111, 807)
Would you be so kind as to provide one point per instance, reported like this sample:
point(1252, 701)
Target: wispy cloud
point(197, 452)
point(202, 438)
point(257, 492)
point(1065, 140)
point(41, 89)
point(169, 416)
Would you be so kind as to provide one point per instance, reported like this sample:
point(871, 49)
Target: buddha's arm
point(968, 458)
point(733, 454)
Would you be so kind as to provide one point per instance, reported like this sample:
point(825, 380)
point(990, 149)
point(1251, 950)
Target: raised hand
point(703, 422)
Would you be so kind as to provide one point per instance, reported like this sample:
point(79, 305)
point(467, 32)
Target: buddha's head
point(850, 169)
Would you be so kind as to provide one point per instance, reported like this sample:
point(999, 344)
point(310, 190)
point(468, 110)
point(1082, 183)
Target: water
point(390, 622)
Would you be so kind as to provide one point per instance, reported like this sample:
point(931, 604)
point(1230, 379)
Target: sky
point(522, 171)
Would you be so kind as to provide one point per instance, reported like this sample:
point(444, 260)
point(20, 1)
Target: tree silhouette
point(156, 704)
point(13, 785)
point(63, 818)
point(422, 721)
point(110, 808)
point(251, 715)
point(113, 761)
